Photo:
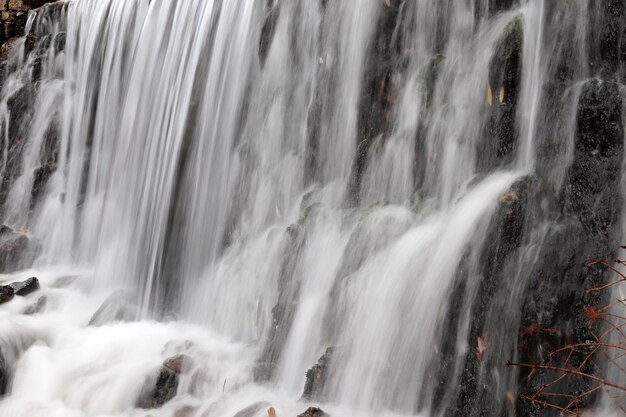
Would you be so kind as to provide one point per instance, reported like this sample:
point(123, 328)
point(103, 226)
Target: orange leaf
point(481, 346)
point(591, 313)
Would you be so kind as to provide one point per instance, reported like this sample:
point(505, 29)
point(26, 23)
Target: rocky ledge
point(13, 16)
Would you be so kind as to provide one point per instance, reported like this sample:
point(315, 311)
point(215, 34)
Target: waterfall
point(404, 186)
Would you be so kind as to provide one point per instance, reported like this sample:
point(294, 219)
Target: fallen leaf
point(481, 346)
point(591, 313)
point(321, 60)
point(511, 397)
point(489, 96)
point(271, 412)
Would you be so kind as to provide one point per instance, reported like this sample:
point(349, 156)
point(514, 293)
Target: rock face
point(499, 142)
point(13, 15)
point(316, 377)
point(589, 226)
point(378, 96)
point(38, 45)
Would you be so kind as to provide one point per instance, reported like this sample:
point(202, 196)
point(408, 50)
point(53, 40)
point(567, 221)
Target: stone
point(161, 392)
point(26, 287)
point(313, 412)
point(6, 293)
point(316, 377)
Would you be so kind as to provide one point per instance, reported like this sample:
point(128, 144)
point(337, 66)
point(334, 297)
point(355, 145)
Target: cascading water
point(401, 183)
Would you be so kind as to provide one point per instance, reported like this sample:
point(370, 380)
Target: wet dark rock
point(313, 412)
point(155, 394)
point(117, 307)
point(48, 160)
point(379, 92)
point(488, 8)
point(589, 226)
point(59, 42)
point(252, 409)
point(6, 293)
point(591, 193)
point(495, 269)
point(19, 104)
point(427, 79)
point(162, 391)
point(26, 287)
point(317, 376)
point(607, 37)
point(499, 143)
point(38, 307)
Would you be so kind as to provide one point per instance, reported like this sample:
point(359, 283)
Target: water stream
point(267, 179)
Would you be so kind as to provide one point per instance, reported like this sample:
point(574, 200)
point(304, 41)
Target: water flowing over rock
point(411, 189)
point(116, 307)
